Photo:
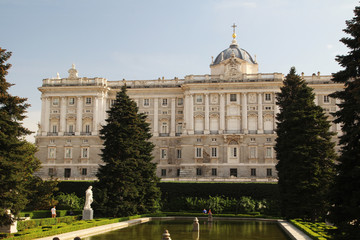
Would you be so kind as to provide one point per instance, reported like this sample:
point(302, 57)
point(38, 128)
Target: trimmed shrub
point(42, 214)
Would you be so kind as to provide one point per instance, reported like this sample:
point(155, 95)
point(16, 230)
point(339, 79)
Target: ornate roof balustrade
point(53, 82)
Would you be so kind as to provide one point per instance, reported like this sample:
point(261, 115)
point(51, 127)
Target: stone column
point(207, 117)
point(260, 129)
point(42, 120)
point(47, 115)
point(95, 115)
point(186, 123)
point(62, 116)
point(79, 110)
point(191, 114)
point(173, 117)
point(222, 113)
point(156, 117)
point(244, 113)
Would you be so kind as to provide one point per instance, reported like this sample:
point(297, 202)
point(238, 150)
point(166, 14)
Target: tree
point(346, 194)
point(304, 150)
point(17, 160)
point(127, 181)
point(42, 195)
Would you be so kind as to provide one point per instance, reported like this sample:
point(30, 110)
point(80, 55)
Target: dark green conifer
point(304, 150)
point(17, 160)
point(346, 195)
point(127, 181)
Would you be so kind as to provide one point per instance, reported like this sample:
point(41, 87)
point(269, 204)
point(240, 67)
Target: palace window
point(268, 139)
point(252, 139)
point(88, 101)
point(178, 172)
point(253, 172)
point(84, 171)
point(269, 172)
point(51, 172)
point(326, 99)
point(54, 128)
point(268, 152)
point(164, 102)
point(163, 153)
point(267, 97)
point(85, 152)
point(52, 141)
point(234, 152)
point(163, 172)
point(199, 98)
point(146, 102)
point(87, 128)
point(253, 152)
point(67, 172)
point(214, 172)
point(164, 127)
point(214, 152)
point(55, 101)
point(52, 153)
point(68, 152)
point(233, 172)
point(178, 153)
point(198, 152)
point(180, 101)
point(71, 101)
point(198, 172)
point(71, 128)
point(179, 128)
point(232, 97)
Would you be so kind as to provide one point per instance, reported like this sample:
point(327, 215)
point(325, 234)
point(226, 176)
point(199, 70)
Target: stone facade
point(205, 127)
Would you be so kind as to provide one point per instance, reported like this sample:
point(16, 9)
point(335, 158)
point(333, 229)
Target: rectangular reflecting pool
point(183, 230)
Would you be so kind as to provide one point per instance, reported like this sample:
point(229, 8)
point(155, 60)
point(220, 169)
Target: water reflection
point(183, 230)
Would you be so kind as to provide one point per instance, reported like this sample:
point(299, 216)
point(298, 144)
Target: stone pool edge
point(293, 232)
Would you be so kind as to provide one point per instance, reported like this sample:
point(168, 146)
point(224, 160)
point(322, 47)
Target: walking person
point(53, 212)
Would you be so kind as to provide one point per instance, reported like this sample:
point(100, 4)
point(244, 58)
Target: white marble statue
point(88, 198)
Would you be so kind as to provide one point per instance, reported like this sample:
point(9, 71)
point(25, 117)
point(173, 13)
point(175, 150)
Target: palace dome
point(233, 49)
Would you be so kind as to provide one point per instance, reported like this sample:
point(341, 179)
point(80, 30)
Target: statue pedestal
point(87, 214)
point(12, 228)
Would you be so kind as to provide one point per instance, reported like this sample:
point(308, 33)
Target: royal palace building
point(213, 127)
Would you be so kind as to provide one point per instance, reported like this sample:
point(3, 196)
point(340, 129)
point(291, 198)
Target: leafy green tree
point(42, 196)
point(69, 202)
point(17, 160)
point(127, 180)
point(305, 151)
point(346, 195)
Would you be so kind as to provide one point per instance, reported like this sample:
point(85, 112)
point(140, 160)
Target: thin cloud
point(230, 4)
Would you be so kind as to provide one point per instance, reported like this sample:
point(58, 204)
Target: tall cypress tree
point(304, 150)
point(346, 195)
point(17, 161)
point(127, 180)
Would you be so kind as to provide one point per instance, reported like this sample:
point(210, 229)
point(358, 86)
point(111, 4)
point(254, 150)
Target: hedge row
point(42, 214)
point(172, 190)
point(317, 231)
point(22, 225)
point(257, 191)
point(49, 230)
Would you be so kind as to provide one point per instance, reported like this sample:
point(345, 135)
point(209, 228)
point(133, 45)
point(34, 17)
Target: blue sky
point(118, 39)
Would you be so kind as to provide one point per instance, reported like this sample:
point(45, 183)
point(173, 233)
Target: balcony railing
point(214, 132)
point(232, 131)
point(198, 132)
point(52, 134)
point(164, 134)
point(69, 133)
point(268, 131)
point(85, 133)
point(177, 134)
point(252, 131)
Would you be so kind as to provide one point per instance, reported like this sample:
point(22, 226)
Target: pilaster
point(244, 113)
point(207, 117)
point(222, 113)
point(260, 129)
point(156, 117)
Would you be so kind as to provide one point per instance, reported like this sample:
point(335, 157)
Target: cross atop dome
point(234, 34)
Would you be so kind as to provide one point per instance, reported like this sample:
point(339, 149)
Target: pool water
point(182, 230)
